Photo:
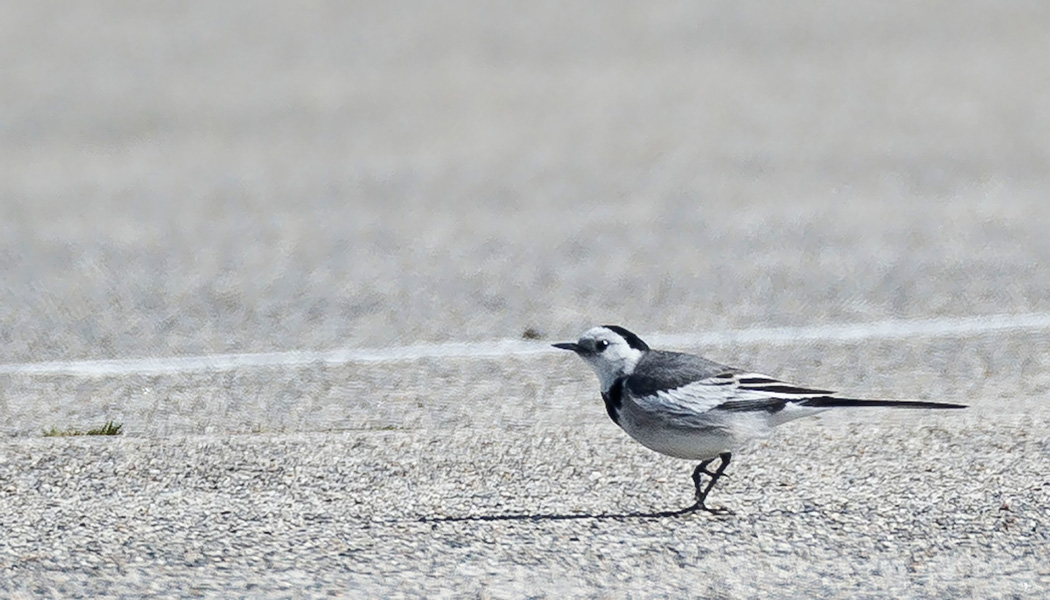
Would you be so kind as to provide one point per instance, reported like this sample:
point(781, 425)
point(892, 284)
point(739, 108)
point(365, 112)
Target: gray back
point(661, 370)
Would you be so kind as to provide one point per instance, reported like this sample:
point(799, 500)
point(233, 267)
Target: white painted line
point(850, 332)
point(843, 332)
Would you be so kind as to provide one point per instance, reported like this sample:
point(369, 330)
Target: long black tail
point(829, 401)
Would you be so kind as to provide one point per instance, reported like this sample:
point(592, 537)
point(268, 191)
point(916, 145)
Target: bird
point(690, 407)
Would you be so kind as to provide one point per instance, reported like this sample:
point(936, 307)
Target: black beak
point(568, 346)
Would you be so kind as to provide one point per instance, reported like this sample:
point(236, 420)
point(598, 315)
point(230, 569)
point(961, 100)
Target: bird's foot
point(714, 510)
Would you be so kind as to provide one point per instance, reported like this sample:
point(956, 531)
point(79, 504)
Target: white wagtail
point(687, 406)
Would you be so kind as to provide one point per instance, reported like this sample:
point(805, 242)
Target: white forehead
point(600, 333)
point(609, 361)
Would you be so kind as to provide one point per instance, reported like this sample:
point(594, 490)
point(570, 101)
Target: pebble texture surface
point(187, 179)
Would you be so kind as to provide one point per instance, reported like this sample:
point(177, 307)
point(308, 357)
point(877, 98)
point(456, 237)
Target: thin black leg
point(701, 469)
point(703, 491)
point(698, 472)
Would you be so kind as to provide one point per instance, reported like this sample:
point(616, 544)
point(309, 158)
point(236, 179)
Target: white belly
point(700, 438)
point(683, 444)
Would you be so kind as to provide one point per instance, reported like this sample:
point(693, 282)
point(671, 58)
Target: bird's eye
point(601, 345)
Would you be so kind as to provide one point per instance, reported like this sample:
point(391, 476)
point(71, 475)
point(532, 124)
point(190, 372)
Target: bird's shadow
point(579, 516)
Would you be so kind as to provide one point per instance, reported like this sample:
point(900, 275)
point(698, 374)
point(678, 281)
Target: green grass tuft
point(110, 428)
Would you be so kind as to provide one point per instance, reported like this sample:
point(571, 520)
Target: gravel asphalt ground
point(322, 247)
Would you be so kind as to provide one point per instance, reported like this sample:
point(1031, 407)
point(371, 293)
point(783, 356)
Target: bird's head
point(610, 350)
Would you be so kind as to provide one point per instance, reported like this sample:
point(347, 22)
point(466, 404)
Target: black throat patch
point(614, 399)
